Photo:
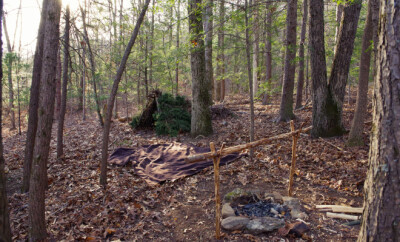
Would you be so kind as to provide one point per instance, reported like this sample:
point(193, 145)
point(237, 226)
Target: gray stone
point(227, 211)
point(264, 224)
point(234, 223)
point(295, 207)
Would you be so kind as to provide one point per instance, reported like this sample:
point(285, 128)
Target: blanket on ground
point(160, 162)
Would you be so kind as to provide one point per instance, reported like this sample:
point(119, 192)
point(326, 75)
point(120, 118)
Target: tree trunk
point(219, 92)
point(19, 99)
point(113, 93)
point(201, 115)
point(178, 26)
point(208, 29)
point(92, 65)
point(256, 29)
point(151, 47)
point(357, 126)
point(58, 87)
point(34, 102)
point(249, 73)
point(341, 65)
point(268, 54)
point(300, 80)
point(146, 84)
point(10, 59)
point(339, 13)
point(36, 212)
point(5, 230)
point(318, 67)
point(327, 121)
point(307, 76)
point(83, 83)
point(283, 55)
point(139, 101)
point(381, 217)
point(63, 107)
point(80, 96)
point(286, 108)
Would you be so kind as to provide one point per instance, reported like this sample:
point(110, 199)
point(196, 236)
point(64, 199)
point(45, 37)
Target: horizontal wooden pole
point(237, 148)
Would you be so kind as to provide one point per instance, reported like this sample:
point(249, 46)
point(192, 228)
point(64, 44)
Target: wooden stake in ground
point(293, 166)
point(216, 161)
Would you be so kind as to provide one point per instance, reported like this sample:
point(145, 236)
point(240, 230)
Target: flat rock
point(264, 224)
point(234, 223)
point(227, 211)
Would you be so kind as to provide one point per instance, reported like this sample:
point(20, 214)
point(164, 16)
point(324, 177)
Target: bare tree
point(113, 93)
point(178, 26)
point(34, 102)
point(92, 65)
point(250, 77)
point(357, 126)
point(38, 183)
point(300, 80)
point(63, 107)
point(380, 221)
point(256, 48)
point(268, 54)
point(5, 230)
point(10, 59)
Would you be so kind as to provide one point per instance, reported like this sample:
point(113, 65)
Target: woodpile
point(341, 212)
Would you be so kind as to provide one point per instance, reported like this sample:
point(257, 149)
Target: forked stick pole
point(293, 165)
point(216, 161)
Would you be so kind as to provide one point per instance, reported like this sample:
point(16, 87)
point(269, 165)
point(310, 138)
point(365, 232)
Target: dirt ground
point(77, 208)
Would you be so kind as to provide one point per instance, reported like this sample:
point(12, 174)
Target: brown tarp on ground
point(160, 162)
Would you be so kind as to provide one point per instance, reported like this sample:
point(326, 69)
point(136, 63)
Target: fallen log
point(338, 209)
point(237, 148)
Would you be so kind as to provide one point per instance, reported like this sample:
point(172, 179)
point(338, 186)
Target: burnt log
point(146, 119)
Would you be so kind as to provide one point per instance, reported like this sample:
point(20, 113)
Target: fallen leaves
point(77, 208)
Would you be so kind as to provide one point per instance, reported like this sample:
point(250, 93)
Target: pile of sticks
point(341, 212)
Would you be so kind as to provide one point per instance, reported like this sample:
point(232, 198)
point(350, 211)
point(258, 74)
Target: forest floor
point(77, 208)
